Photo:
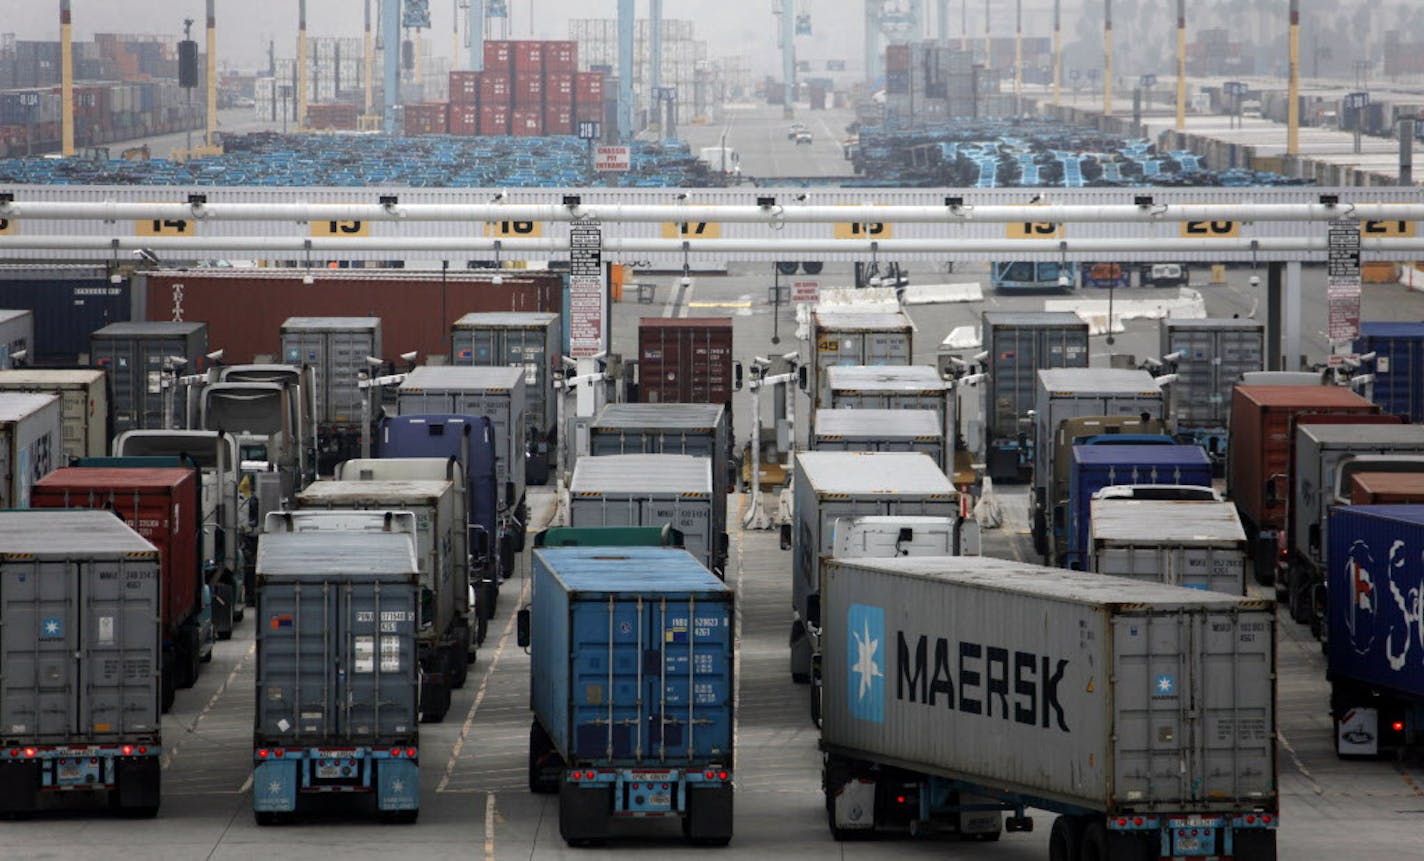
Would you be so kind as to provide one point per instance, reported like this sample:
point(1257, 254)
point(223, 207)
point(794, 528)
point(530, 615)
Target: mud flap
point(274, 787)
point(19, 786)
point(137, 783)
point(397, 785)
point(584, 811)
point(708, 818)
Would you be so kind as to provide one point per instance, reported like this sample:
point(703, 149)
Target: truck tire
point(545, 764)
point(1095, 841)
point(435, 703)
point(456, 665)
point(816, 689)
point(1255, 844)
point(167, 689)
point(224, 614)
point(1064, 839)
point(481, 629)
point(584, 813)
point(800, 654)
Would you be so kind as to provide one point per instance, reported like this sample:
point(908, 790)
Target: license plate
point(659, 799)
point(652, 776)
point(69, 772)
point(328, 772)
point(1188, 844)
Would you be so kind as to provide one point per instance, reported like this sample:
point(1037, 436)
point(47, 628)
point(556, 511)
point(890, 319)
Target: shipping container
point(1211, 355)
point(338, 674)
point(496, 89)
point(632, 661)
point(17, 337)
point(686, 360)
point(560, 57)
point(652, 490)
point(559, 89)
point(528, 59)
point(499, 56)
point(139, 358)
point(526, 122)
point(336, 349)
point(164, 506)
point(880, 430)
point(445, 633)
point(79, 604)
point(1019, 345)
point(1098, 466)
point(1112, 677)
point(84, 406)
point(464, 120)
point(494, 119)
point(831, 488)
point(558, 119)
point(531, 342)
point(1398, 366)
point(1193, 543)
point(528, 93)
point(1259, 456)
point(844, 336)
point(31, 440)
point(1386, 488)
point(465, 88)
point(588, 89)
point(908, 387)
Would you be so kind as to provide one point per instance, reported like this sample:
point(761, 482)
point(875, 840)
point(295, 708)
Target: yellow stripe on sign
point(513, 229)
point(165, 227)
point(692, 230)
point(340, 229)
point(1380, 229)
point(863, 230)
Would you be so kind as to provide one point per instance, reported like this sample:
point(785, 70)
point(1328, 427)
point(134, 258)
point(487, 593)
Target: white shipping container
point(84, 405)
point(1192, 543)
point(31, 431)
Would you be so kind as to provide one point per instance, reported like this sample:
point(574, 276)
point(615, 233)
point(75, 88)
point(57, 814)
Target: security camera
point(1173, 357)
point(215, 356)
point(1255, 281)
point(497, 279)
point(146, 256)
point(684, 281)
point(308, 280)
point(409, 357)
point(176, 361)
point(1065, 282)
point(374, 362)
point(116, 278)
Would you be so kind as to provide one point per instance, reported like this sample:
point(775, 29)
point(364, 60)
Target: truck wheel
point(224, 615)
point(1064, 839)
point(168, 691)
point(800, 654)
point(1255, 844)
point(481, 629)
point(545, 764)
point(458, 669)
point(584, 813)
point(1095, 842)
point(434, 707)
point(816, 699)
point(1040, 531)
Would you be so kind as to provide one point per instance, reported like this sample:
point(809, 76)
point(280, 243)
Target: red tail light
point(261, 753)
point(899, 799)
point(1397, 726)
point(709, 775)
point(1137, 821)
point(721, 775)
point(143, 750)
point(1266, 819)
point(127, 750)
point(410, 752)
point(30, 752)
point(279, 752)
point(395, 751)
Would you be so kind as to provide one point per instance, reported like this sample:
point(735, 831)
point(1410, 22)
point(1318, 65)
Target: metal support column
point(1181, 65)
point(1275, 273)
point(655, 55)
point(627, 19)
point(369, 63)
point(1290, 318)
point(942, 20)
point(788, 57)
point(212, 73)
point(1406, 152)
point(1107, 59)
point(66, 80)
point(302, 64)
point(391, 36)
point(475, 32)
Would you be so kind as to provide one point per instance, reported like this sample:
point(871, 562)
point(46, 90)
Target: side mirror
point(509, 494)
point(1270, 490)
point(803, 378)
point(786, 536)
point(736, 376)
point(813, 610)
point(479, 543)
point(521, 628)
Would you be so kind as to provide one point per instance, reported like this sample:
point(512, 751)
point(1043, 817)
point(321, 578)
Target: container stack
point(427, 118)
point(928, 82)
point(527, 89)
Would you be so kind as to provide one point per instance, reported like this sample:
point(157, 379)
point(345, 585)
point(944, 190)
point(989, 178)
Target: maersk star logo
point(397, 786)
point(1166, 685)
point(53, 627)
point(274, 788)
point(866, 660)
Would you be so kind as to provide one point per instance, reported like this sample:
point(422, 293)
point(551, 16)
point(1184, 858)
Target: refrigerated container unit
point(31, 432)
point(1386, 488)
point(1063, 394)
point(163, 506)
point(79, 698)
point(1326, 459)
point(1259, 456)
point(880, 430)
point(338, 674)
point(1198, 544)
point(631, 656)
point(1110, 677)
point(17, 337)
point(499, 395)
point(336, 349)
point(1374, 584)
point(531, 342)
point(1398, 366)
point(832, 489)
point(1096, 467)
point(699, 430)
point(908, 387)
point(850, 336)
point(445, 633)
point(653, 490)
point(84, 405)
point(1018, 345)
point(686, 360)
point(140, 360)
point(1212, 356)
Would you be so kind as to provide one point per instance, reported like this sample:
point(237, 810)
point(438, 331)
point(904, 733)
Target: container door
point(1199, 391)
point(832, 349)
point(887, 348)
point(297, 661)
point(309, 348)
point(693, 684)
point(119, 637)
point(610, 640)
point(1239, 352)
point(40, 639)
point(691, 514)
point(378, 640)
point(348, 352)
point(120, 359)
point(149, 377)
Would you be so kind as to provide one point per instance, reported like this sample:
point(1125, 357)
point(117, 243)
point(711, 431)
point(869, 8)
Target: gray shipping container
point(699, 430)
point(496, 393)
point(912, 387)
point(1197, 544)
point(1154, 698)
point(79, 604)
point(336, 349)
point(832, 487)
point(17, 332)
point(1326, 456)
point(135, 354)
point(518, 340)
point(651, 490)
point(336, 638)
point(1214, 355)
point(842, 336)
point(31, 431)
point(1019, 345)
point(84, 405)
point(880, 430)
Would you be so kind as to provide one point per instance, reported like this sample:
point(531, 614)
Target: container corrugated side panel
point(1016, 354)
point(29, 448)
point(1398, 366)
point(1090, 695)
point(69, 304)
point(504, 409)
point(550, 651)
point(1374, 552)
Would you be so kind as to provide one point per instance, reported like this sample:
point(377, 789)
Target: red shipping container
point(558, 88)
point(528, 92)
point(161, 504)
point(528, 60)
point(494, 120)
point(427, 118)
point(499, 56)
point(685, 360)
point(560, 56)
point(526, 123)
point(245, 310)
point(495, 88)
point(465, 88)
point(464, 120)
point(558, 119)
point(588, 87)
point(1387, 488)
point(897, 58)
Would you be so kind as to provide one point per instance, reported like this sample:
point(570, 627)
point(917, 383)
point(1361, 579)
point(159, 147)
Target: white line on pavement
point(173, 751)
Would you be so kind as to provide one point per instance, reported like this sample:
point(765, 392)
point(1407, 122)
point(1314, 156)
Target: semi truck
point(1016, 346)
point(958, 690)
point(1209, 358)
point(1182, 542)
point(337, 350)
point(631, 686)
point(338, 671)
point(84, 405)
point(80, 602)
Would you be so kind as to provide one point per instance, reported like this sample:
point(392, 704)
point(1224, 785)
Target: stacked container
point(527, 88)
point(137, 357)
point(1212, 356)
point(17, 333)
point(685, 360)
point(1019, 345)
point(69, 303)
point(427, 118)
point(1398, 366)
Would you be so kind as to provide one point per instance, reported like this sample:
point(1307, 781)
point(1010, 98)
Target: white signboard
point(805, 291)
point(612, 158)
point(1343, 284)
point(588, 294)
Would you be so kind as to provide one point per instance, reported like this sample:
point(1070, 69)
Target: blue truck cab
point(1098, 466)
point(631, 687)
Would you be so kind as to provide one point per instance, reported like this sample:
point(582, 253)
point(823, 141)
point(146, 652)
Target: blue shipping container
point(1374, 585)
point(1098, 466)
point(631, 657)
point(1398, 366)
point(68, 308)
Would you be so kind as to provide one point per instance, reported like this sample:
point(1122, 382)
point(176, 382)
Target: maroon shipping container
point(1263, 420)
point(499, 56)
point(528, 60)
point(685, 360)
point(559, 88)
point(558, 119)
point(560, 56)
point(160, 504)
point(588, 88)
point(464, 120)
point(526, 122)
point(465, 88)
point(494, 120)
point(897, 58)
point(495, 89)
point(342, 116)
point(245, 310)
point(427, 118)
point(528, 93)
point(1387, 488)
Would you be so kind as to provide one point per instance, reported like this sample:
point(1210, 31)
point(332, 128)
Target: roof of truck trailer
point(17, 405)
point(1230, 323)
point(460, 377)
point(1166, 520)
point(1093, 381)
point(641, 473)
point(877, 424)
point(1370, 434)
point(323, 553)
point(839, 319)
point(60, 532)
point(658, 416)
point(1034, 318)
point(379, 489)
point(629, 569)
point(885, 377)
point(1406, 513)
point(505, 320)
point(1391, 330)
point(892, 473)
point(1147, 455)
